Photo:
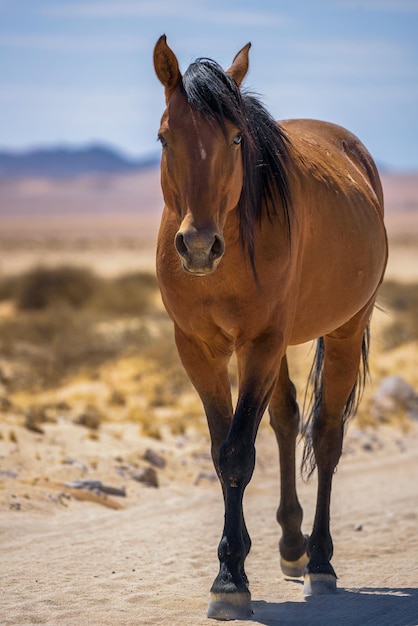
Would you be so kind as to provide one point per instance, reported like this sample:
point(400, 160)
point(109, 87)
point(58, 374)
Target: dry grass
point(66, 321)
point(105, 342)
point(66, 324)
point(400, 301)
point(78, 288)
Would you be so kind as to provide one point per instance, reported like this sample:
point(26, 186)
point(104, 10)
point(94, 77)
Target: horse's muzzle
point(200, 251)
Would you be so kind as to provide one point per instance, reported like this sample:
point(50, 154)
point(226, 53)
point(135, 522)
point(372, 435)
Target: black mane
point(213, 93)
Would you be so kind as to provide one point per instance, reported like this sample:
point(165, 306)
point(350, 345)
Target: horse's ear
point(166, 66)
point(239, 66)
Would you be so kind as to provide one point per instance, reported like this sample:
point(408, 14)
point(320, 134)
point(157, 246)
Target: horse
point(272, 235)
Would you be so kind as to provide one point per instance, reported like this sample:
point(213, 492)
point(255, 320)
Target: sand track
point(154, 561)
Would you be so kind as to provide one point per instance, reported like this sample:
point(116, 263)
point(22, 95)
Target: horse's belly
point(336, 284)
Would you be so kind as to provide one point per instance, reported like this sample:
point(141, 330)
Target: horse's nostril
point(199, 250)
point(180, 245)
point(218, 247)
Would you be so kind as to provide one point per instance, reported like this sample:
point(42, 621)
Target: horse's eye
point(162, 141)
point(237, 139)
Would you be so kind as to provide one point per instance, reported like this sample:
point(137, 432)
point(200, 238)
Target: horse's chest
point(225, 311)
point(209, 316)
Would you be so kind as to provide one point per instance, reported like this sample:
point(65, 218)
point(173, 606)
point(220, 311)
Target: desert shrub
point(69, 322)
point(400, 301)
point(90, 418)
point(43, 287)
point(51, 345)
point(79, 288)
point(8, 288)
point(130, 294)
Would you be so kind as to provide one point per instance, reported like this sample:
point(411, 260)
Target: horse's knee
point(236, 463)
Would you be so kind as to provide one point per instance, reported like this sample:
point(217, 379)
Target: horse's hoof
point(227, 606)
point(316, 584)
point(294, 569)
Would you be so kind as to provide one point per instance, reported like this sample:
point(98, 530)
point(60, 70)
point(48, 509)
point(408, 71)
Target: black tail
point(311, 409)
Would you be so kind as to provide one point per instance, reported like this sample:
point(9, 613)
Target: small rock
point(394, 394)
point(358, 527)
point(210, 476)
point(154, 458)
point(96, 486)
point(59, 499)
point(146, 475)
point(34, 427)
point(70, 461)
point(9, 473)
point(91, 418)
point(34, 417)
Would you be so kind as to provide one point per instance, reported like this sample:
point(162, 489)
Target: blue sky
point(80, 71)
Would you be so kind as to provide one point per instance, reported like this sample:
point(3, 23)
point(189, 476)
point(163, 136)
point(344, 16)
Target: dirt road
point(153, 562)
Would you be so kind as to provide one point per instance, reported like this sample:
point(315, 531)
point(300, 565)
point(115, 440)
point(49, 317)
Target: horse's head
point(201, 164)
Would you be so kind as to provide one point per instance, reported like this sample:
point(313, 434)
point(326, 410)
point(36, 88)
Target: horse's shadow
point(371, 606)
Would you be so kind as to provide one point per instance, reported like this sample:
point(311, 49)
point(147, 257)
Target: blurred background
point(83, 337)
point(74, 72)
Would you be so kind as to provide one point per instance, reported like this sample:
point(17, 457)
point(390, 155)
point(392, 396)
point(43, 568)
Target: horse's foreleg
point(230, 597)
point(340, 370)
point(284, 419)
point(209, 376)
point(258, 370)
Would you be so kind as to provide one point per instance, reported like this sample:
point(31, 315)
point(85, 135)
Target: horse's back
point(329, 150)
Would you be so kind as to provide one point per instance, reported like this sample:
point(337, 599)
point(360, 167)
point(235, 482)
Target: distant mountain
point(63, 162)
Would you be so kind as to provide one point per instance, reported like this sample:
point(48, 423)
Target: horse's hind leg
point(284, 419)
point(342, 355)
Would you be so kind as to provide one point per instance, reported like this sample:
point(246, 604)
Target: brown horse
point(272, 235)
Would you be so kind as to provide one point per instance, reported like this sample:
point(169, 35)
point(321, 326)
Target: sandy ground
point(152, 561)
point(72, 557)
